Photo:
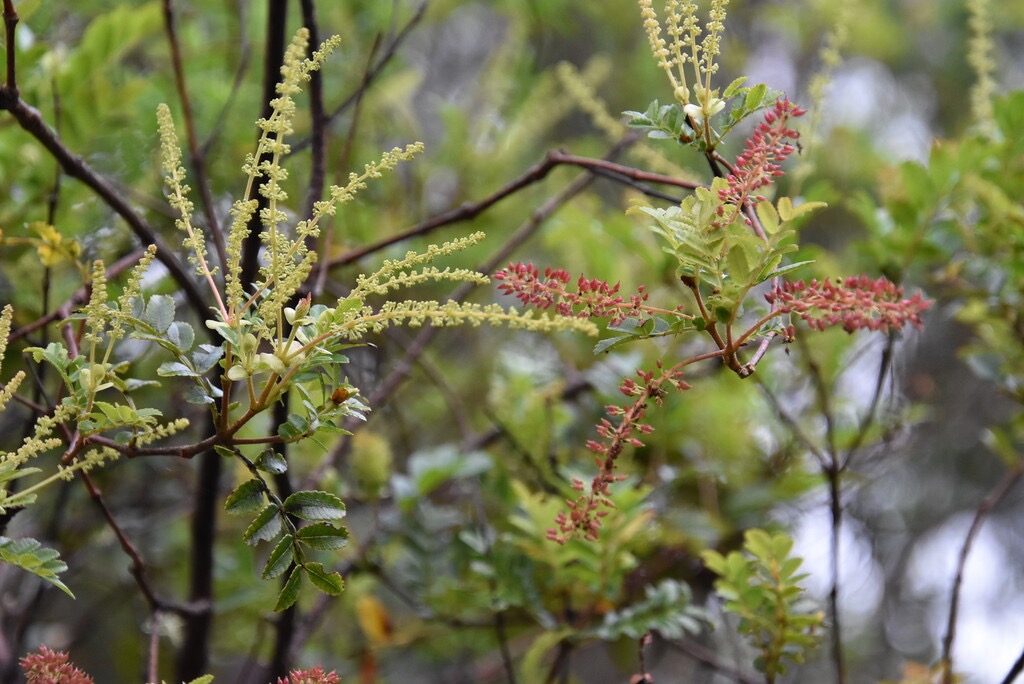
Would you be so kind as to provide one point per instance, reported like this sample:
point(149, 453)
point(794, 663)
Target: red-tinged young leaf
point(265, 527)
point(315, 506)
point(329, 583)
point(280, 558)
point(323, 537)
point(289, 593)
point(247, 498)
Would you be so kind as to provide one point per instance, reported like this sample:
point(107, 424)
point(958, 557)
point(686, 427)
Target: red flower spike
point(857, 303)
point(760, 162)
point(593, 298)
point(585, 513)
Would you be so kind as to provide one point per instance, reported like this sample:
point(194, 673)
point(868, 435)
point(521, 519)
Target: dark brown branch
point(1015, 670)
point(273, 51)
point(194, 150)
point(534, 174)
point(10, 22)
point(138, 566)
point(284, 625)
point(32, 122)
point(525, 231)
point(194, 653)
point(79, 296)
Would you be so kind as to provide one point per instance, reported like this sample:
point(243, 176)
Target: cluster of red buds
point(585, 513)
point(593, 298)
point(857, 303)
point(316, 675)
point(47, 666)
point(760, 162)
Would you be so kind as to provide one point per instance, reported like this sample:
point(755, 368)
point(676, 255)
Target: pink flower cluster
point(593, 298)
point(760, 163)
point(51, 667)
point(857, 303)
point(585, 513)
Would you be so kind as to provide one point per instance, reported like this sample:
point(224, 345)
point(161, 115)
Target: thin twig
point(386, 56)
point(1015, 671)
point(525, 231)
point(869, 417)
point(194, 150)
point(322, 267)
point(154, 647)
point(79, 296)
point(32, 122)
point(833, 471)
point(244, 51)
point(990, 502)
point(534, 174)
point(709, 659)
point(138, 566)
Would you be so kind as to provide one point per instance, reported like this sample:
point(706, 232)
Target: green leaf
point(132, 384)
point(9, 471)
point(280, 558)
point(206, 357)
point(611, 342)
point(329, 583)
point(769, 217)
point(733, 87)
point(290, 591)
point(175, 368)
point(28, 554)
point(755, 96)
point(197, 395)
point(739, 266)
point(790, 213)
point(666, 609)
point(315, 505)
point(293, 428)
point(181, 335)
point(205, 679)
point(783, 270)
point(159, 312)
point(247, 497)
point(265, 527)
point(269, 461)
point(323, 537)
point(533, 668)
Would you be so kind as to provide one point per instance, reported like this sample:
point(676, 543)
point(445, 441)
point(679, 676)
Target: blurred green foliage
point(452, 485)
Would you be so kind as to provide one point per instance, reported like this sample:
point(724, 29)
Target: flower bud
point(271, 362)
point(237, 373)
